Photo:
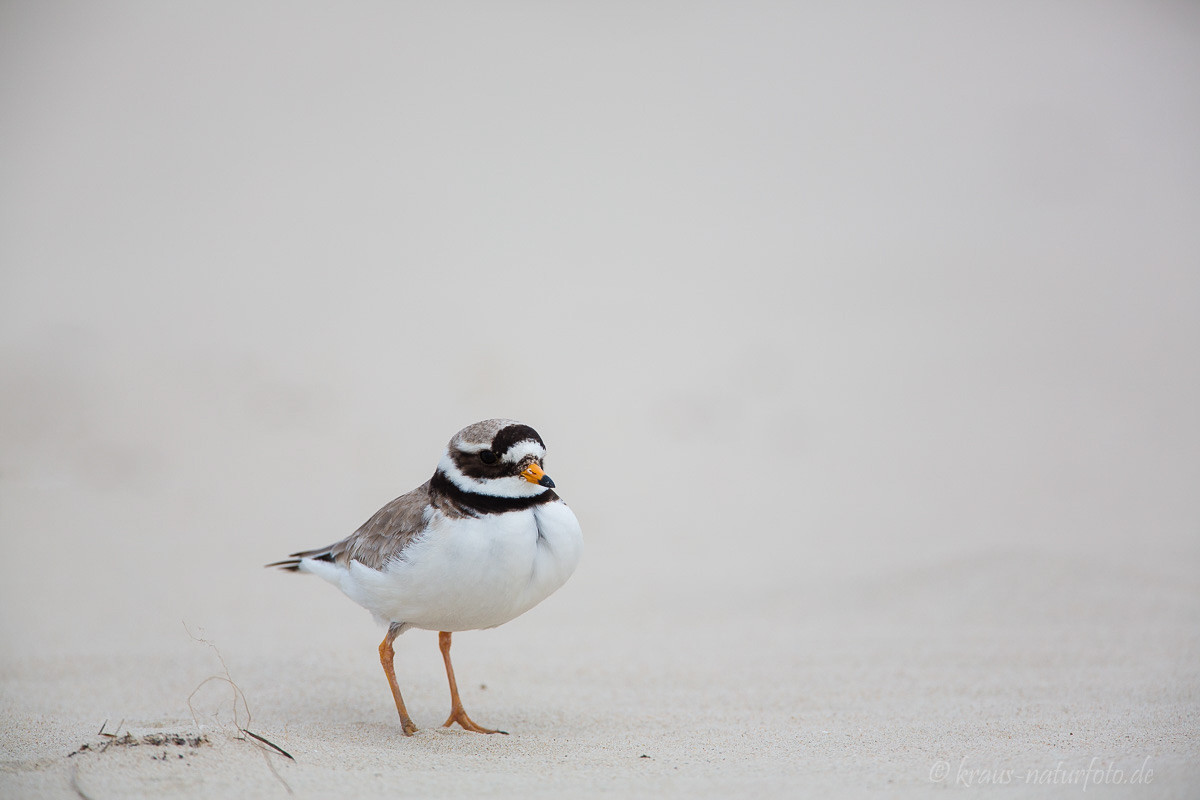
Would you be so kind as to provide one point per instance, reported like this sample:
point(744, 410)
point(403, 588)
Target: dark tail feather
point(292, 564)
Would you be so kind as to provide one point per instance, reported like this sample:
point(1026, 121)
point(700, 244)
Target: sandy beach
point(863, 342)
point(1007, 668)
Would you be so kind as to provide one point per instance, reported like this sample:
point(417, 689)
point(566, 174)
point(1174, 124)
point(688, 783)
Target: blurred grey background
point(804, 298)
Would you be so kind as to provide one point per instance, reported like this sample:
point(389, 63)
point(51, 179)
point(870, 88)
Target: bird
point(478, 544)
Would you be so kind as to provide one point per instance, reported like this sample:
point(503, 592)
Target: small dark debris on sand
point(189, 740)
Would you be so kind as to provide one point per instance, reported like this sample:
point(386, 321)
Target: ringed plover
point(478, 544)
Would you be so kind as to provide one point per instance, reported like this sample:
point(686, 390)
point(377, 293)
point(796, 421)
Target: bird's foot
point(459, 715)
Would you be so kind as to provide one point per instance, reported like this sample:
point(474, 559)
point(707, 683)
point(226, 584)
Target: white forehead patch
point(522, 449)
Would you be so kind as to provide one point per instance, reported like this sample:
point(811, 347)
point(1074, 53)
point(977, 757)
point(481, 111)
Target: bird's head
point(498, 457)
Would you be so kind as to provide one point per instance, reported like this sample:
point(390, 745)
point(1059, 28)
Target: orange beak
point(534, 474)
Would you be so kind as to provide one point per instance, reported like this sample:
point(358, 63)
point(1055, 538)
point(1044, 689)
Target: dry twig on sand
point(238, 698)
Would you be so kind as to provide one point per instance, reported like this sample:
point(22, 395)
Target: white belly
point(468, 573)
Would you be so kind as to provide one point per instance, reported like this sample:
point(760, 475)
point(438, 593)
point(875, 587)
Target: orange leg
point(457, 713)
point(386, 657)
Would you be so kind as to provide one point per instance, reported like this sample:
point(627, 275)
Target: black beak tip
point(545, 481)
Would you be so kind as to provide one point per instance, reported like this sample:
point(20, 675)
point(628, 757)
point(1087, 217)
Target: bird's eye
point(487, 457)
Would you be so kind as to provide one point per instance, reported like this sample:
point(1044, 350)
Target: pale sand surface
point(1014, 660)
point(863, 338)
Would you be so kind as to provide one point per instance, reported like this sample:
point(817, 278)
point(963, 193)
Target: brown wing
point(380, 539)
